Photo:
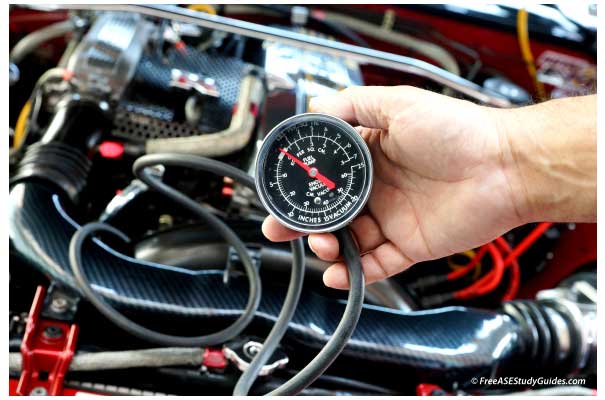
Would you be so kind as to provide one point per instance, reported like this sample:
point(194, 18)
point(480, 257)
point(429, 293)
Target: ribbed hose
point(62, 165)
point(552, 335)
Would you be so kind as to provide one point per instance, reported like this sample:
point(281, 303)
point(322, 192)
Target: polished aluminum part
point(104, 62)
point(356, 53)
point(294, 75)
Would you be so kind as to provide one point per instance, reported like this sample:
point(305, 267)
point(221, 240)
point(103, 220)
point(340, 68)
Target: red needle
point(313, 172)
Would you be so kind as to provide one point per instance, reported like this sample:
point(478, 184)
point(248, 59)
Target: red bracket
point(428, 389)
point(214, 358)
point(47, 349)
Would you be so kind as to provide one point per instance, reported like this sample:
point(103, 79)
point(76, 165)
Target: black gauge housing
point(314, 173)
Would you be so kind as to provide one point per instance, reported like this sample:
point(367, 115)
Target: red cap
point(214, 358)
point(112, 150)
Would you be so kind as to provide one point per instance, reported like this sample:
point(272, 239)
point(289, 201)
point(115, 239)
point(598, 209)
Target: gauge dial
point(314, 173)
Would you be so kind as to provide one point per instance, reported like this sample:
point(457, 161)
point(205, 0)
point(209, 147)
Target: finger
point(370, 106)
point(336, 276)
point(276, 232)
point(386, 260)
point(367, 233)
point(324, 245)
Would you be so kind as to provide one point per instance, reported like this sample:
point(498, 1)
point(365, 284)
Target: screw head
point(59, 305)
point(38, 391)
point(53, 332)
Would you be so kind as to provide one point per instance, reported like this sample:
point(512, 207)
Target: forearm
point(549, 155)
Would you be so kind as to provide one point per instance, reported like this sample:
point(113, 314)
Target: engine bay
point(93, 88)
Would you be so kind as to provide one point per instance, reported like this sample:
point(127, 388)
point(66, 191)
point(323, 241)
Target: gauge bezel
point(261, 158)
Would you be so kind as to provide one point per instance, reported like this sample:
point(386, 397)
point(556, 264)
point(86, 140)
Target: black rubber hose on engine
point(351, 314)
point(278, 331)
point(75, 259)
point(333, 347)
point(345, 328)
point(75, 255)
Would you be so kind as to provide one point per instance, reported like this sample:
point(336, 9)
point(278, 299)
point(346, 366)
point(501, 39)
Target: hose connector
point(57, 163)
point(558, 330)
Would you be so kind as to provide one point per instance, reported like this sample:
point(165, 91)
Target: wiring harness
point(503, 258)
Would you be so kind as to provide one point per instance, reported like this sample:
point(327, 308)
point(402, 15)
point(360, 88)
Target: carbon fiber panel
point(148, 110)
point(448, 344)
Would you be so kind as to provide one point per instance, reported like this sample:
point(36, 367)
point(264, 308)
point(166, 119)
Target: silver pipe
point(145, 358)
point(428, 49)
point(355, 53)
point(35, 39)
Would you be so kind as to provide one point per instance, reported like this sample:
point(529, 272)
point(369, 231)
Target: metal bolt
point(53, 332)
point(59, 305)
point(38, 391)
point(252, 348)
point(165, 221)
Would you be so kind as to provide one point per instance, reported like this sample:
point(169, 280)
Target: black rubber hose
point(326, 356)
point(278, 331)
point(350, 253)
point(75, 255)
point(345, 328)
point(75, 260)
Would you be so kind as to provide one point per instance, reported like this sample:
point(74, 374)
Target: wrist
point(512, 161)
point(548, 155)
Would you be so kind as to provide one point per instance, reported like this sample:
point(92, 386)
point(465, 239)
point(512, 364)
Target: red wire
point(492, 279)
point(527, 242)
point(468, 267)
point(488, 282)
point(515, 271)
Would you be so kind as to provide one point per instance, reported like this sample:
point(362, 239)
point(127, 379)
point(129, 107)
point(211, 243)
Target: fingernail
point(264, 227)
point(310, 241)
point(330, 279)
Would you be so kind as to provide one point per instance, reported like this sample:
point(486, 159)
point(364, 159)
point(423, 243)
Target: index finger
point(369, 106)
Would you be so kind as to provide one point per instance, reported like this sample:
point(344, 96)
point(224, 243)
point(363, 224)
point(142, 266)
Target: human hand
point(440, 181)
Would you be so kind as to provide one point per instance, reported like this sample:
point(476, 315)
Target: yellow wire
point(207, 8)
point(19, 136)
point(470, 254)
point(523, 37)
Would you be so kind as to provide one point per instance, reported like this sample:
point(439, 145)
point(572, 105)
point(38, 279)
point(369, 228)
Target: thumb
point(369, 106)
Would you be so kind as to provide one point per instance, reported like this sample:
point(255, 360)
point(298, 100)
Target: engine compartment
point(109, 86)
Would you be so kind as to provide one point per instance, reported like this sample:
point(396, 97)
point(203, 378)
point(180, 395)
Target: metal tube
point(35, 39)
point(356, 53)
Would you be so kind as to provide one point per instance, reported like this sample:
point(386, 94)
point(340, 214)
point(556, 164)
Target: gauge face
point(314, 173)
